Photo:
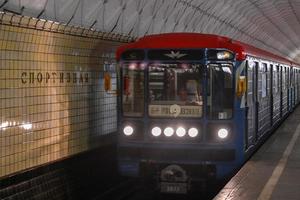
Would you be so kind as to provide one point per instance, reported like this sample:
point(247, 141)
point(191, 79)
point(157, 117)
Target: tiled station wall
point(83, 176)
point(52, 101)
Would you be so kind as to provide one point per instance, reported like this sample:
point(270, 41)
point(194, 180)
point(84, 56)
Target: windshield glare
point(175, 90)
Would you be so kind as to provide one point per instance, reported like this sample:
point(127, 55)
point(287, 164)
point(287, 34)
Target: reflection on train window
point(175, 84)
point(133, 90)
point(220, 91)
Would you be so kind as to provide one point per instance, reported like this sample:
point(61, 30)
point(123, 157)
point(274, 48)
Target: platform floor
point(273, 172)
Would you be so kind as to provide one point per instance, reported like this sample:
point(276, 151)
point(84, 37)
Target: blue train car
point(194, 107)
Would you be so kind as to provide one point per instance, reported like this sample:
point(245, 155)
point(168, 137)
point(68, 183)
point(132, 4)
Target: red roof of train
point(198, 40)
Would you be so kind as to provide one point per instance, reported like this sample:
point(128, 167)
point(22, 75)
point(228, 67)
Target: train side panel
point(272, 93)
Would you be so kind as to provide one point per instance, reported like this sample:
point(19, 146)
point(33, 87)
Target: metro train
point(193, 107)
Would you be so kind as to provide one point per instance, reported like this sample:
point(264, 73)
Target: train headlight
point(223, 133)
point(128, 130)
point(180, 132)
point(223, 55)
point(169, 131)
point(193, 132)
point(156, 131)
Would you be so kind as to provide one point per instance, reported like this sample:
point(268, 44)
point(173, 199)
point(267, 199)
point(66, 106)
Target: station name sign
point(55, 77)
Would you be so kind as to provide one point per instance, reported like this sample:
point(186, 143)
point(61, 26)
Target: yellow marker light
point(107, 81)
point(241, 86)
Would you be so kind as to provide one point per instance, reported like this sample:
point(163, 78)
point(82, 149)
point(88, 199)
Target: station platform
point(273, 172)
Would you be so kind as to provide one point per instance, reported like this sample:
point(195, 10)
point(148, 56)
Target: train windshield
point(220, 91)
point(175, 90)
point(133, 90)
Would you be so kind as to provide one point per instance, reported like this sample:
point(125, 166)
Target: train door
point(251, 119)
point(297, 86)
point(276, 94)
point(269, 96)
point(271, 93)
point(263, 104)
point(284, 91)
point(288, 99)
point(281, 89)
point(293, 86)
point(288, 89)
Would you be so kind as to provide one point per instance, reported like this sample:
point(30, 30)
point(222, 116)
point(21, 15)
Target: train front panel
point(178, 115)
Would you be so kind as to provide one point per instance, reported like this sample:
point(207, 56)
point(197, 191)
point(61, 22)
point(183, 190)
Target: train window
point(284, 78)
point(294, 77)
point(250, 85)
point(175, 90)
point(259, 80)
point(133, 90)
point(297, 77)
point(220, 91)
point(291, 77)
point(288, 78)
point(264, 80)
point(274, 78)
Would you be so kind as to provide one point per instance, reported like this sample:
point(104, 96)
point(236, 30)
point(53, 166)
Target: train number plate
point(178, 188)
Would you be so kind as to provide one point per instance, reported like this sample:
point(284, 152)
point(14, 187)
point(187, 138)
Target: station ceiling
point(273, 25)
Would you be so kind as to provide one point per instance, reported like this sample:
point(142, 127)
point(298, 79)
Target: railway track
point(122, 191)
point(135, 189)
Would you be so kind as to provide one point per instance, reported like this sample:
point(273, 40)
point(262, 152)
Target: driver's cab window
point(133, 90)
point(175, 85)
point(220, 91)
